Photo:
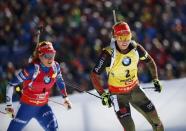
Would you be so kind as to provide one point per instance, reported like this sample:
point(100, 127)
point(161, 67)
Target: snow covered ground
point(88, 114)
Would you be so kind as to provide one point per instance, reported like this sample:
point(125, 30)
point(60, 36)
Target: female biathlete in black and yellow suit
point(120, 61)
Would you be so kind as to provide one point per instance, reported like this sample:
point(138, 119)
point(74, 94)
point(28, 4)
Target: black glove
point(106, 101)
point(157, 85)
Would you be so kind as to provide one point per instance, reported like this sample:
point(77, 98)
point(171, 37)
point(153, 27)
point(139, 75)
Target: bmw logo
point(126, 61)
point(47, 79)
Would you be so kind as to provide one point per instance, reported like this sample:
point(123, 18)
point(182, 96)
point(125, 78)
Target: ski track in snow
point(88, 114)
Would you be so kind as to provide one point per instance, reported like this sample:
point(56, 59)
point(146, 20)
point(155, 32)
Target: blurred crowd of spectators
point(80, 28)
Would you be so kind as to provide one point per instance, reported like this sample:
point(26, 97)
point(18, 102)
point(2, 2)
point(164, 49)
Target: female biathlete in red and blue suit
point(38, 78)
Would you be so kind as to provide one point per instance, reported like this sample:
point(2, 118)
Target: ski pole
point(56, 102)
point(148, 88)
point(67, 107)
point(38, 35)
point(79, 90)
point(40, 29)
point(3, 112)
point(114, 15)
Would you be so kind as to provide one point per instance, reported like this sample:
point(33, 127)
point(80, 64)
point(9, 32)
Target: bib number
point(127, 73)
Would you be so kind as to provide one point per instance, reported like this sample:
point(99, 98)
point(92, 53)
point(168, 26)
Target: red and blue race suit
point(38, 81)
